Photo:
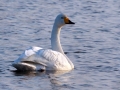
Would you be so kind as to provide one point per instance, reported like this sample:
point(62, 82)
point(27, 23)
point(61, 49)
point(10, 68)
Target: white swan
point(37, 58)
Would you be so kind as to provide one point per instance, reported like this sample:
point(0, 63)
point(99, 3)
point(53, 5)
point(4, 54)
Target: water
point(93, 43)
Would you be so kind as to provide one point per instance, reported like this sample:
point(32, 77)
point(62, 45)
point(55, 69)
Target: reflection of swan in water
point(53, 77)
point(39, 73)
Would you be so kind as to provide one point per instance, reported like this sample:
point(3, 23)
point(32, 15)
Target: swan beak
point(67, 21)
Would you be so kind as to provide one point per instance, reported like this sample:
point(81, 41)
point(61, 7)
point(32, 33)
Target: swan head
point(61, 20)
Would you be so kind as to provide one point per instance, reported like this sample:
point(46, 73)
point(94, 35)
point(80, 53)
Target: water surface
point(92, 44)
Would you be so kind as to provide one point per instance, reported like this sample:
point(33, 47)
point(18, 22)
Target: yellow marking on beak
point(66, 20)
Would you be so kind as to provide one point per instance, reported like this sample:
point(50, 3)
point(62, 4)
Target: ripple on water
point(92, 43)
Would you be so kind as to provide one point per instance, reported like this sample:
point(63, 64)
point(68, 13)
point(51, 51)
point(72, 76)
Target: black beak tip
point(70, 22)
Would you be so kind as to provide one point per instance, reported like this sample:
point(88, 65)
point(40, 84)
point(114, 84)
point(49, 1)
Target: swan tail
point(28, 66)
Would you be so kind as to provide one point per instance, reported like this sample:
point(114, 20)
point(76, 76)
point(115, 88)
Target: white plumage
point(37, 58)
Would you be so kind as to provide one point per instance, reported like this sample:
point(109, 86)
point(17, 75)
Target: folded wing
point(36, 58)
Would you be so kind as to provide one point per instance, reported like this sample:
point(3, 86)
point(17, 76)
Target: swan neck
point(55, 39)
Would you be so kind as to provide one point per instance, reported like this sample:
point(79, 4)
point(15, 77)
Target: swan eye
point(62, 17)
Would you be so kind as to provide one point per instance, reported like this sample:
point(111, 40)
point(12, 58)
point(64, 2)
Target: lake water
point(92, 44)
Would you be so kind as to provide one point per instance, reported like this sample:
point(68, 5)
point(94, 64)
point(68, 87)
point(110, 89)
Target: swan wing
point(36, 58)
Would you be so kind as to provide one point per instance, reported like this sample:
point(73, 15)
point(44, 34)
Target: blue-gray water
point(93, 43)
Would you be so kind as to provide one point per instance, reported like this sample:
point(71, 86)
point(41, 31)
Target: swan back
point(36, 58)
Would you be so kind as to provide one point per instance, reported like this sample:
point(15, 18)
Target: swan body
point(37, 58)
